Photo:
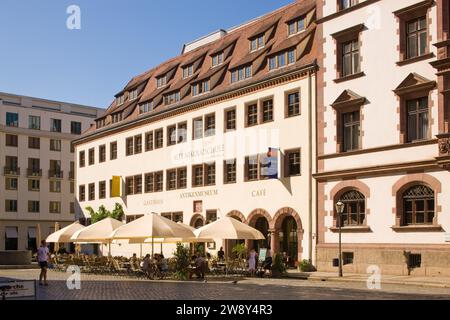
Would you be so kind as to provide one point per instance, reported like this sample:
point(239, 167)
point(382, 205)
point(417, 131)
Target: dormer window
point(282, 59)
point(161, 81)
point(257, 43)
point(217, 59)
point(296, 26)
point(345, 4)
point(241, 73)
point(133, 95)
point(120, 100)
point(200, 87)
point(188, 71)
point(146, 107)
point(116, 117)
point(101, 123)
point(172, 98)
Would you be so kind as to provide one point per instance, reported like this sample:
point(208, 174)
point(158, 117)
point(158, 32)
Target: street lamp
point(340, 209)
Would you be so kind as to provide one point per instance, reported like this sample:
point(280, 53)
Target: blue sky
point(40, 57)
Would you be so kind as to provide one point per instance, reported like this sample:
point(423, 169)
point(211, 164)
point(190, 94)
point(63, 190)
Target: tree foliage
point(103, 213)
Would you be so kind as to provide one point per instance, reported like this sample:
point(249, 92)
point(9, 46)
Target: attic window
point(257, 43)
point(345, 4)
point(188, 71)
point(241, 73)
point(133, 94)
point(116, 117)
point(200, 87)
point(120, 100)
point(282, 59)
point(146, 107)
point(296, 26)
point(172, 98)
point(101, 123)
point(161, 81)
point(217, 59)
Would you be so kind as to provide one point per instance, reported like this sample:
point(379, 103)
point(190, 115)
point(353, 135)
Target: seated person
point(221, 254)
point(164, 267)
point(200, 266)
point(146, 264)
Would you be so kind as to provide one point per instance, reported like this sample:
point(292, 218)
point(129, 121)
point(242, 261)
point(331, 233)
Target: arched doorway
point(288, 239)
point(287, 235)
point(262, 225)
point(197, 221)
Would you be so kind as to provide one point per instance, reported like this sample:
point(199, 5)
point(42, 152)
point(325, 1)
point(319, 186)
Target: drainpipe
point(310, 165)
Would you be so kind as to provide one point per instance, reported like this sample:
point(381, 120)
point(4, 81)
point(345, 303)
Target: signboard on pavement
point(17, 289)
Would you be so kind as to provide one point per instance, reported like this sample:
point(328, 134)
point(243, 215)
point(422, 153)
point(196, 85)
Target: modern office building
point(37, 188)
point(383, 136)
point(206, 135)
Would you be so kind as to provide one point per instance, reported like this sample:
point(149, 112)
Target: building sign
point(153, 202)
point(199, 194)
point(259, 193)
point(17, 290)
point(270, 164)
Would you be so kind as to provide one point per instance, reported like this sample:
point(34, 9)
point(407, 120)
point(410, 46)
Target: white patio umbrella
point(229, 229)
point(64, 235)
point(98, 232)
point(151, 226)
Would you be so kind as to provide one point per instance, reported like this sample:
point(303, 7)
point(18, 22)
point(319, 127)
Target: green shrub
point(306, 266)
point(240, 250)
point(102, 213)
point(182, 261)
point(278, 267)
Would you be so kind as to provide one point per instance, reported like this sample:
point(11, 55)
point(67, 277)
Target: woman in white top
point(43, 255)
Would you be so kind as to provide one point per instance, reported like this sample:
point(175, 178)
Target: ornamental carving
point(444, 147)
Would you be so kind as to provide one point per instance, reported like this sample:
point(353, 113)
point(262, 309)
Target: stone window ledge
point(357, 229)
point(350, 77)
point(416, 59)
point(418, 228)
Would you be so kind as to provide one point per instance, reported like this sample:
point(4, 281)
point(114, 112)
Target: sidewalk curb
point(333, 279)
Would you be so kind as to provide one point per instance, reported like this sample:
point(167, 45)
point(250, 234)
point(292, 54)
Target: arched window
point(418, 204)
point(355, 208)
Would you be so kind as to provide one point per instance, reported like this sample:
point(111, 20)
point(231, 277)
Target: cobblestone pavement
point(94, 287)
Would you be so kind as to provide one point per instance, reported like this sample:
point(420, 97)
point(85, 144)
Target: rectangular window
point(113, 150)
point(33, 206)
point(55, 125)
point(230, 171)
point(161, 81)
point(129, 186)
point(296, 26)
point(116, 117)
point(72, 187)
point(11, 205)
point(146, 107)
point(252, 114)
point(172, 98)
point(12, 140)
point(120, 100)
point(267, 110)
point(149, 141)
point(12, 164)
point(292, 165)
point(351, 124)
point(138, 144)
point(210, 174)
point(129, 147)
point(171, 180)
point(182, 132)
point(137, 184)
point(200, 88)
point(34, 185)
point(82, 193)
point(251, 168)
point(91, 192)
point(210, 125)
point(149, 182)
point(171, 135)
point(217, 59)
point(293, 104)
point(241, 73)
point(11, 238)
point(350, 57)
point(345, 4)
point(182, 178)
point(257, 43)
point(55, 207)
point(34, 122)
point(34, 143)
point(188, 71)
point(282, 59)
point(55, 186)
point(159, 181)
point(211, 216)
point(133, 95)
point(197, 174)
point(102, 190)
point(418, 123)
point(173, 216)
point(230, 119)
point(12, 119)
point(72, 208)
point(198, 128)
point(75, 127)
point(55, 145)
point(11, 183)
point(416, 37)
point(91, 156)
point(82, 159)
point(102, 153)
point(159, 138)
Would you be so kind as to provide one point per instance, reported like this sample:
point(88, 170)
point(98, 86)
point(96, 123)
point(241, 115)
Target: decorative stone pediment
point(348, 98)
point(413, 83)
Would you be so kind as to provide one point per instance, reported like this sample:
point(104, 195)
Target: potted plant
point(278, 267)
point(182, 262)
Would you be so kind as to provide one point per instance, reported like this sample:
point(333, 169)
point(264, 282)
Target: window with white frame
point(296, 26)
point(161, 81)
point(282, 59)
point(200, 87)
point(241, 73)
point(217, 59)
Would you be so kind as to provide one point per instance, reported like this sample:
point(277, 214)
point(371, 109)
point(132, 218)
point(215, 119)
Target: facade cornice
point(345, 11)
